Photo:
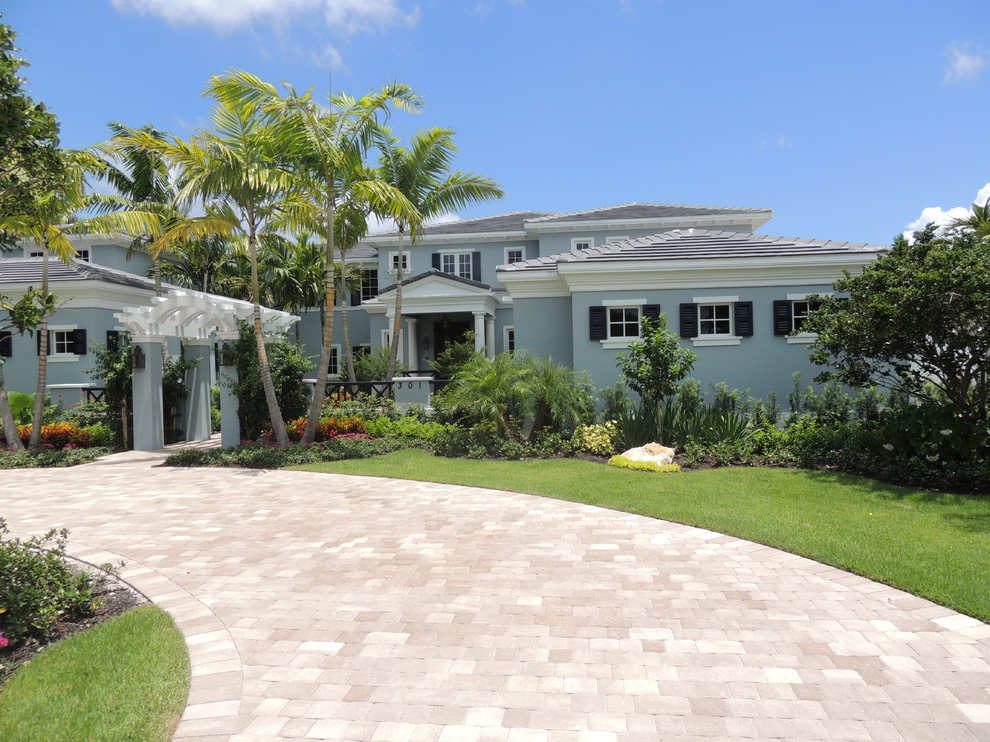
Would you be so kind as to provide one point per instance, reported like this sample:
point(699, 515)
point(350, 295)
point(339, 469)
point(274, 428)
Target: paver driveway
point(346, 608)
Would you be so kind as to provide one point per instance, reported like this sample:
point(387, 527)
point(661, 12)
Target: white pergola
point(197, 318)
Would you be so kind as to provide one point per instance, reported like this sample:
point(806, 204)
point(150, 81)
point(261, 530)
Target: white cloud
point(965, 62)
point(784, 143)
point(944, 217)
point(380, 226)
point(227, 15)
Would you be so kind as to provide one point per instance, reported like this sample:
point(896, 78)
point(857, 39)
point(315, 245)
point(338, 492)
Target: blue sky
point(848, 118)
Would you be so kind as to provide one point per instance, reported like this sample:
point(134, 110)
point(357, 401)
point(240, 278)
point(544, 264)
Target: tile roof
point(695, 244)
point(640, 210)
point(510, 222)
point(28, 270)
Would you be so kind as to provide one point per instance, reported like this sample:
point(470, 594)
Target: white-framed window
point(509, 339)
point(581, 243)
point(333, 369)
point(83, 255)
point(456, 264)
point(393, 261)
point(63, 343)
point(800, 310)
point(369, 285)
point(36, 254)
point(623, 323)
point(714, 320)
point(515, 255)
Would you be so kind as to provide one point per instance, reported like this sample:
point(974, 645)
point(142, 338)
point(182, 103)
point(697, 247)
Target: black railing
point(95, 393)
point(341, 391)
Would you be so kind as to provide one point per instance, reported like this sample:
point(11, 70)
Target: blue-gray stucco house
point(571, 286)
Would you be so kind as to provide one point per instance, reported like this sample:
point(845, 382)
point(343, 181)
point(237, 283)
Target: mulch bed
point(114, 597)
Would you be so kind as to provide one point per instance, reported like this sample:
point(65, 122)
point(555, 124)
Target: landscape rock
point(650, 452)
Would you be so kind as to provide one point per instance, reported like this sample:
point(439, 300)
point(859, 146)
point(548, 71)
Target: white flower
point(945, 432)
point(888, 447)
point(933, 457)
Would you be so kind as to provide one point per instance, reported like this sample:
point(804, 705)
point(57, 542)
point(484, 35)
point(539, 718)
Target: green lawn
point(930, 544)
point(124, 680)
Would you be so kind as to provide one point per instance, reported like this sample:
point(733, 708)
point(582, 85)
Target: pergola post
point(198, 400)
point(230, 423)
point(149, 415)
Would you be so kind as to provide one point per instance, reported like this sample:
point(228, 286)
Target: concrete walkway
point(345, 608)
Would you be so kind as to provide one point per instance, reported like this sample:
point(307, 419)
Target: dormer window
point(582, 243)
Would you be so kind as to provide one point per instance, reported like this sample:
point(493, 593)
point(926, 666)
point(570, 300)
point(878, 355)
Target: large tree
point(237, 168)
point(917, 320)
point(422, 173)
point(30, 163)
point(327, 146)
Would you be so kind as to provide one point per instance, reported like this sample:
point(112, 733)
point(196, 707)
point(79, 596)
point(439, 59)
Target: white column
point(479, 331)
point(412, 340)
point(149, 430)
point(198, 400)
point(490, 335)
point(230, 421)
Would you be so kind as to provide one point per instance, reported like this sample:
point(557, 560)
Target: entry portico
point(438, 308)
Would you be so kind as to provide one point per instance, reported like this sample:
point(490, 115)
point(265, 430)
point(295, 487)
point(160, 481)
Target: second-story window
point(369, 285)
point(456, 264)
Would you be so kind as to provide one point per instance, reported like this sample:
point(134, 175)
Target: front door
point(447, 333)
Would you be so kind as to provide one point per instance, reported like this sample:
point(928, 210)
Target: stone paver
point(326, 607)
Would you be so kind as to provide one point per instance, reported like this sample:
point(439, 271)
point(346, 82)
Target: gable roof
point(440, 274)
point(693, 244)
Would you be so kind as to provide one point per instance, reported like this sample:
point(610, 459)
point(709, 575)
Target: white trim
point(715, 299)
point(61, 357)
point(340, 359)
point(455, 251)
point(505, 337)
point(618, 342)
point(802, 338)
point(393, 257)
point(703, 341)
point(575, 241)
point(754, 219)
point(505, 253)
point(623, 302)
point(621, 238)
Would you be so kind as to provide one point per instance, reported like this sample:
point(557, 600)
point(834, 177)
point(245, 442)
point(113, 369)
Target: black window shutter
point(651, 311)
point(436, 260)
point(476, 266)
point(744, 318)
point(6, 343)
point(689, 321)
point(113, 340)
point(37, 337)
point(79, 342)
point(355, 298)
point(783, 317)
point(599, 328)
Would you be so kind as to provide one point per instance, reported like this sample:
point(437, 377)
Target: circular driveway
point(332, 607)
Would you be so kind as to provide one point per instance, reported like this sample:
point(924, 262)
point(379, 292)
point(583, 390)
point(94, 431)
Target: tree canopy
point(30, 162)
point(916, 320)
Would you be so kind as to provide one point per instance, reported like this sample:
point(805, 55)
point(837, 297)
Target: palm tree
point(327, 147)
point(141, 178)
point(48, 223)
point(978, 223)
point(422, 173)
point(238, 169)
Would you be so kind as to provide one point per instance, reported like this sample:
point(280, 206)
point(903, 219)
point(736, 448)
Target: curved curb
point(216, 675)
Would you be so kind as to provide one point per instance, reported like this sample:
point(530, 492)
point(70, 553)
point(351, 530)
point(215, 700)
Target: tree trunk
point(274, 412)
point(395, 338)
point(39, 393)
point(9, 426)
point(348, 355)
point(329, 301)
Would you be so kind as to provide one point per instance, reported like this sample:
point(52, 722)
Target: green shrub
point(41, 458)
point(405, 428)
point(37, 586)
point(373, 366)
point(596, 439)
point(100, 435)
point(264, 456)
point(653, 466)
point(366, 406)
